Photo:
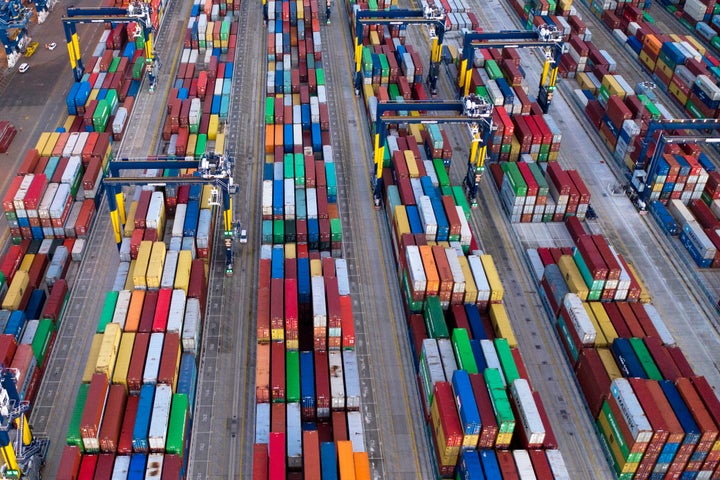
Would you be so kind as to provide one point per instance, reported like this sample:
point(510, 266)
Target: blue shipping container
point(16, 324)
point(142, 421)
point(489, 462)
point(692, 432)
point(307, 383)
point(35, 305)
point(328, 461)
point(465, 400)
point(303, 271)
point(186, 383)
point(195, 192)
point(191, 218)
point(478, 355)
point(416, 226)
point(268, 171)
point(428, 188)
point(70, 99)
point(663, 218)
point(278, 199)
point(470, 467)
point(313, 233)
point(277, 262)
point(477, 330)
point(137, 466)
point(626, 359)
point(82, 94)
point(443, 228)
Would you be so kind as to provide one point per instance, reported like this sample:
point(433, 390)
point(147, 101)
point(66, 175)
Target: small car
point(24, 67)
point(51, 46)
point(243, 236)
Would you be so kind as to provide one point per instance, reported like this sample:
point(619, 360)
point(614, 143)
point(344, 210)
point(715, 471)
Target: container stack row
point(308, 422)
point(654, 415)
point(133, 410)
point(531, 193)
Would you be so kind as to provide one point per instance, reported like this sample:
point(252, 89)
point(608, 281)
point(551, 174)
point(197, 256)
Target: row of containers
point(50, 208)
point(133, 411)
point(308, 421)
point(655, 416)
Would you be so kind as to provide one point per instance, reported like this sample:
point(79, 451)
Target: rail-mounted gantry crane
point(137, 12)
point(14, 20)
point(471, 110)
point(212, 168)
point(432, 17)
point(546, 37)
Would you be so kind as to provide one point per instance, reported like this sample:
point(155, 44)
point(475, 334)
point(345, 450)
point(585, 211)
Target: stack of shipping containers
point(307, 387)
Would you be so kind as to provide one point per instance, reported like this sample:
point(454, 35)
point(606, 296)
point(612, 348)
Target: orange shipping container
point(134, 310)
point(362, 466)
point(262, 374)
point(311, 454)
point(269, 139)
point(346, 463)
point(431, 273)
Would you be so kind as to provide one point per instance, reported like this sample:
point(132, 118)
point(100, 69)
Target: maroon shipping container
point(90, 177)
point(82, 225)
point(418, 333)
point(708, 429)
point(170, 360)
point(172, 466)
point(8, 345)
point(593, 379)
point(662, 358)
point(507, 465)
point(56, 300)
point(142, 208)
point(540, 464)
point(137, 363)
point(148, 311)
point(94, 405)
point(198, 286)
point(260, 463)
point(520, 364)
point(104, 467)
point(489, 429)
point(459, 319)
point(681, 362)
point(593, 258)
point(550, 441)
point(69, 463)
point(574, 227)
point(451, 214)
point(277, 371)
point(277, 417)
point(339, 426)
point(277, 312)
point(612, 265)
point(657, 422)
point(36, 272)
point(617, 321)
point(124, 446)
point(703, 214)
point(322, 385)
point(29, 162)
point(631, 322)
point(112, 419)
point(332, 298)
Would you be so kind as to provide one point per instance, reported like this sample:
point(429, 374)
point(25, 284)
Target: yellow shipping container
point(220, 143)
point(26, 262)
point(213, 125)
point(367, 93)
point(695, 43)
point(277, 334)
point(93, 95)
point(290, 250)
point(108, 350)
point(130, 219)
point(315, 267)
point(471, 291)
point(585, 83)
point(68, 122)
point(374, 38)
point(607, 432)
point(92, 358)
point(292, 344)
point(209, 32)
point(453, 53)
point(416, 130)
point(611, 366)
point(501, 324)
point(182, 273)
point(129, 279)
point(664, 68)
point(141, 265)
point(496, 289)
point(300, 11)
point(604, 322)
point(50, 145)
point(16, 291)
point(572, 276)
point(402, 225)
point(155, 265)
point(647, 60)
point(411, 164)
point(40, 145)
point(192, 142)
point(206, 197)
point(600, 340)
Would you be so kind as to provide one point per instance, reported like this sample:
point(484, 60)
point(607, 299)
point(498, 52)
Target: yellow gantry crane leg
point(73, 47)
point(463, 71)
point(120, 200)
point(228, 216)
point(149, 48)
point(379, 152)
point(8, 455)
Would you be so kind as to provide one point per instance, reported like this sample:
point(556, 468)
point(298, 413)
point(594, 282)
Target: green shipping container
point(507, 362)
point(650, 106)
point(434, 318)
point(278, 232)
point(590, 282)
point(384, 66)
point(648, 364)
point(492, 69)
point(292, 376)
point(108, 310)
point(460, 200)
point(200, 145)
point(42, 339)
point(299, 170)
point(543, 187)
point(113, 65)
point(100, 117)
point(501, 403)
point(269, 111)
point(413, 306)
point(140, 43)
point(443, 179)
point(463, 352)
point(138, 68)
point(446, 190)
point(177, 424)
point(616, 434)
point(393, 91)
point(73, 435)
point(331, 179)
point(320, 76)
point(288, 166)
point(335, 230)
point(267, 232)
point(517, 183)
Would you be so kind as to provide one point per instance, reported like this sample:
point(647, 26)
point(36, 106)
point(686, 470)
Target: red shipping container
point(657, 422)
point(703, 214)
point(593, 379)
point(322, 384)
point(662, 358)
point(681, 362)
point(148, 311)
point(489, 429)
point(94, 406)
point(104, 468)
point(84, 220)
point(277, 371)
point(162, 309)
point(69, 463)
point(112, 419)
point(574, 227)
point(593, 258)
point(617, 321)
point(540, 464)
point(124, 446)
point(170, 360)
point(8, 345)
point(36, 272)
point(142, 208)
point(172, 467)
point(137, 363)
point(507, 465)
point(708, 429)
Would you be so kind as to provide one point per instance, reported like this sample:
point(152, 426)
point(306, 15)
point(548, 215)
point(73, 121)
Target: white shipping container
point(530, 420)
point(191, 326)
point(293, 435)
point(168, 275)
point(58, 204)
point(266, 252)
point(416, 272)
point(156, 211)
point(202, 237)
point(536, 263)
point(337, 384)
point(578, 316)
point(176, 312)
point(456, 270)
point(680, 212)
point(431, 369)
point(152, 360)
point(160, 416)
point(124, 249)
point(427, 217)
point(78, 249)
point(179, 221)
point(80, 144)
point(318, 301)
point(491, 357)
point(18, 199)
point(311, 203)
point(447, 356)
point(524, 465)
point(175, 244)
point(121, 276)
point(29, 332)
point(262, 423)
point(430, 170)
point(121, 468)
point(465, 232)
point(660, 326)
point(557, 465)
point(481, 281)
point(71, 171)
point(267, 194)
point(631, 411)
point(153, 470)
point(341, 272)
point(417, 190)
point(699, 239)
point(355, 431)
point(71, 221)
point(352, 380)
point(46, 201)
point(289, 198)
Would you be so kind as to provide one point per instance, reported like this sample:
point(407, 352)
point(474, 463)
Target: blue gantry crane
point(471, 110)
point(212, 168)
point(659, 134)
point(432, 17)
point(546, 37)
point(23, 453)
point(14, 20)
point(137, 12)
